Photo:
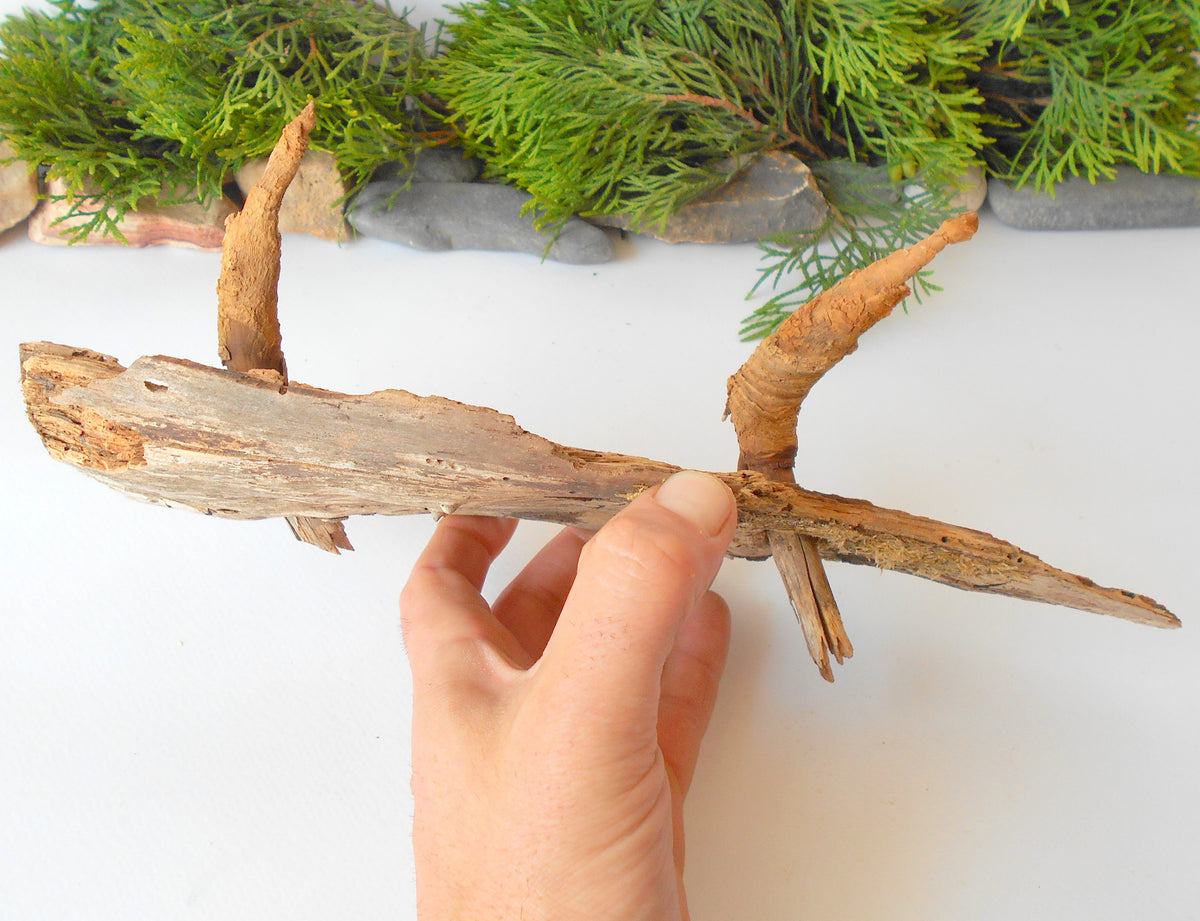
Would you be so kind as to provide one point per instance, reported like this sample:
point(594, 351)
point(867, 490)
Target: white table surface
point(203, 718)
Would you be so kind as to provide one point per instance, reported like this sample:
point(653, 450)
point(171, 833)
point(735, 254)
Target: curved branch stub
point(248, 333)
point(765, 394)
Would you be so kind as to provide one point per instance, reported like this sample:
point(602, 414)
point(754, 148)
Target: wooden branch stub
point(248, 333)
point(766, 392)
point(176, 433)
point(247, 443)
point(798, 560)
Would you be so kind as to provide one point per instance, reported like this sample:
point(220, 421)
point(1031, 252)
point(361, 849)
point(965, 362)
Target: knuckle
point(414, 597)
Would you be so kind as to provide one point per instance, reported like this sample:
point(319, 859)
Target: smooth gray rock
point(775, 194)
point(1133, 199)
point(873, 183)
point(470, 215)
point(433, 164)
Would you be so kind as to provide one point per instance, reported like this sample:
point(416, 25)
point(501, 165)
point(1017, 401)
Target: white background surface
point(205, 719)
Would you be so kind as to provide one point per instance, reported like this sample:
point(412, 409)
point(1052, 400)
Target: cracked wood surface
point(221, 442)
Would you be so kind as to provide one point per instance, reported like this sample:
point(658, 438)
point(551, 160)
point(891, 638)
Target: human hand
point(555, 733)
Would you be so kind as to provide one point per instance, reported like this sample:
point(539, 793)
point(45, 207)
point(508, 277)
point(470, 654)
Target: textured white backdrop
point(204, 719)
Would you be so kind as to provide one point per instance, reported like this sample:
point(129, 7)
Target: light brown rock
point(190, 225)
point(18, 189)
point(314, 201)
point(972, 190)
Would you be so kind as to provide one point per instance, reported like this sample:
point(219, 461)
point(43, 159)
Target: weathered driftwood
point(246, 443)
point(231, 444)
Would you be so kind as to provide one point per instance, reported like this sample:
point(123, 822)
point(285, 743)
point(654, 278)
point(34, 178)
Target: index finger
point(442, 613)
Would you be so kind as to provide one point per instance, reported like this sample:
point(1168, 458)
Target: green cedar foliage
point(1076, 88)
point(628, 107)
point(635, 106)
point(130, 97)
point(602, 107)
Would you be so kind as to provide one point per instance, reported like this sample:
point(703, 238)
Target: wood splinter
point(246, 443)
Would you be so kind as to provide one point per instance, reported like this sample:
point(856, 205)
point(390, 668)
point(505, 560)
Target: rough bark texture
point(223, 443)
point(798, 559)
point(313, 203)
point(246, 443)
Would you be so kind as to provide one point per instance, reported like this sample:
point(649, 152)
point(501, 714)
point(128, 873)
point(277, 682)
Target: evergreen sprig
point(629, 107)
point(634, 108)
point(1067, 88)
point(602, 107)
point(1077, 88)
point(894, 79)
point(870, 215)
point(128, 98)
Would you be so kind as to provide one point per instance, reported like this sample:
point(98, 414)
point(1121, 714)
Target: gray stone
point(872, 183)
point(1133, 199)
point(18, 189)
point(775, 194)
point(469, 215)
point(313, 202)
point(433, 164)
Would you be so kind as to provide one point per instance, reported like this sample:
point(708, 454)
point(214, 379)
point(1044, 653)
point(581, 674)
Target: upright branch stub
point(248, 333)
point(764, 403)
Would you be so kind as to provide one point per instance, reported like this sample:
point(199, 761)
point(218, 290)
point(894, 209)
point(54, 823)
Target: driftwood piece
point(765, 394)
point(798, 560)
point(230, 444)
point(246, 443)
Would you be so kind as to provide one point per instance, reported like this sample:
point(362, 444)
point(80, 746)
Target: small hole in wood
point(155, 386)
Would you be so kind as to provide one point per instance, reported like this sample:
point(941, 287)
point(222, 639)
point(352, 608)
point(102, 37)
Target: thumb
point(638, 579)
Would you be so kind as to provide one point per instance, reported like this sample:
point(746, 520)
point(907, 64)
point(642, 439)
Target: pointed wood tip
point(308, 115)
point(960, 227)
point(799, 564)
point(1045, 583)
point(283, 163)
